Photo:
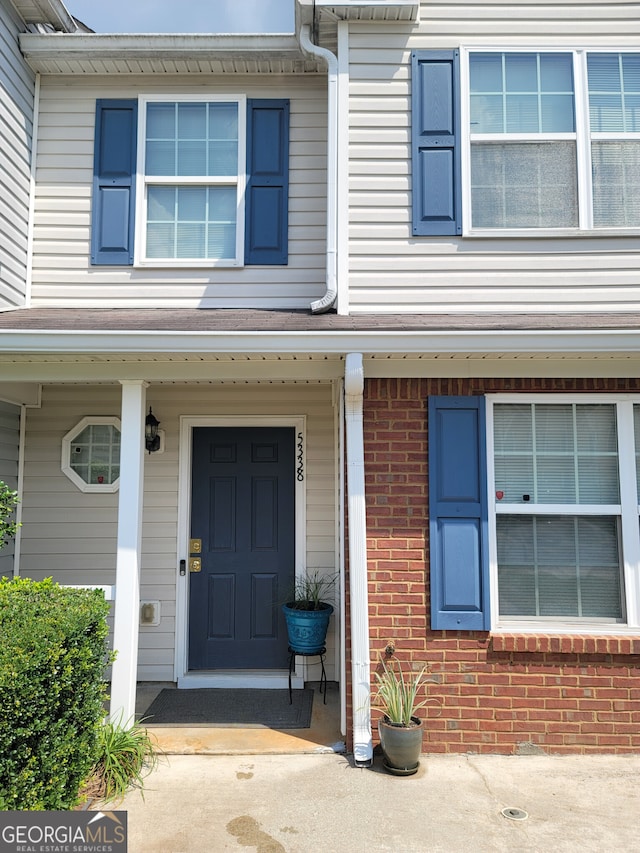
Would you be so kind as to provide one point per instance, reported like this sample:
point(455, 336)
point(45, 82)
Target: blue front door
point(243, 511)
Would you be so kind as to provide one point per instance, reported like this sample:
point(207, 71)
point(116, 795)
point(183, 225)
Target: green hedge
point(53, 653)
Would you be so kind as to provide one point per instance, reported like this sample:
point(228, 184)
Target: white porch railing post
point(129, 548)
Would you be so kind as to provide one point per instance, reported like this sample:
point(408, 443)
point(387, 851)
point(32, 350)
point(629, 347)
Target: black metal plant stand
point(323, 675)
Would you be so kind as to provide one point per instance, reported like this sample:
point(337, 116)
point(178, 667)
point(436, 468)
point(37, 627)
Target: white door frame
point(230, 678)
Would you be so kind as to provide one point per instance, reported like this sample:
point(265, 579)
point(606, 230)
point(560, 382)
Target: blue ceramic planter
point(307, 629)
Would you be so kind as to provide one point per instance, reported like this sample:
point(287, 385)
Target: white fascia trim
point(332, 342)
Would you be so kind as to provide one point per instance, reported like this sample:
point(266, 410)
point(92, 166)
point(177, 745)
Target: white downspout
point(360, 653)
point(341, 556)
point(324, 304)
point(35, 124)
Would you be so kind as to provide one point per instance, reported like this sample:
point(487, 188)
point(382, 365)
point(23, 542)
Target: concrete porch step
point(323, 736)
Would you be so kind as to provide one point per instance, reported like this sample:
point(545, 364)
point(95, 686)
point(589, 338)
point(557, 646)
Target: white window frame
point(68, 440)
point(628, 512)
point(143, 182)
point(583, 137)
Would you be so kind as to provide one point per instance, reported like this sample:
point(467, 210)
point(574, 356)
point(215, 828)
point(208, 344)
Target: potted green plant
point(307, 613)
point(400, 729)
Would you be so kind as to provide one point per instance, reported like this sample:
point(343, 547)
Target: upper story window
point(193, 181)
point(537, 159)
point(190, 182)
point(524, 140)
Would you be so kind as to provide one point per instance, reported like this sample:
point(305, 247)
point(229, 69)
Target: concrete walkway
point(305, 803)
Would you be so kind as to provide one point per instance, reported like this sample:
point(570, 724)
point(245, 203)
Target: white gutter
point(324, 304)
point(359, 611)
point(76, 46)
point(437, 342)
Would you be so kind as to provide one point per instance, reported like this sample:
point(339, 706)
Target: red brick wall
point(499, 694)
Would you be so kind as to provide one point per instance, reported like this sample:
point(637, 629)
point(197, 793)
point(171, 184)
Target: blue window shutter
point(435, 142)
point(267, 202)
point(114, 169)
point(458, 512)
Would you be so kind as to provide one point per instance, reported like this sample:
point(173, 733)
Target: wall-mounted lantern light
point(151, 435)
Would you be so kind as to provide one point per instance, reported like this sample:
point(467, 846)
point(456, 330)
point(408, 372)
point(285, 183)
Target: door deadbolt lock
point(195, 564)
point(195, 546)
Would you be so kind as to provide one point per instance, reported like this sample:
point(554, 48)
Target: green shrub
point(53, 654)
point(8, 504)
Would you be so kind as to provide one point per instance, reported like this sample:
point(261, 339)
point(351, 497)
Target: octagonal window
point(91, 454)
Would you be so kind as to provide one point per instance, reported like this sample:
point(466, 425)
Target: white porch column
point(360, 667)
point(129, 548)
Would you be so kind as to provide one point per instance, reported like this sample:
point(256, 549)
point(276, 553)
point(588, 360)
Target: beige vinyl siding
point(16, 124)
point(71, 536)
point(9, 450)
point(63, 276)
point(390, 270)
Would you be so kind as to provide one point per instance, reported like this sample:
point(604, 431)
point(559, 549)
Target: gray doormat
point(231, 708)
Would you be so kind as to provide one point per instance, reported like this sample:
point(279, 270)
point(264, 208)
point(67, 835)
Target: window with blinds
point(192, 169)
point(614, 118)
point(537, 159)
point(564, 511)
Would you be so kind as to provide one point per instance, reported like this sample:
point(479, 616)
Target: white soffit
point(371, 10)
point(45, 12)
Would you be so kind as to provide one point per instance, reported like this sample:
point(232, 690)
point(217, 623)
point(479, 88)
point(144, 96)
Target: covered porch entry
point(131, 527)
point(131, 530)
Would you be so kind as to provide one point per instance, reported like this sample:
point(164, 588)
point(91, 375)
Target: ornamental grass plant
point(397, 693)
point(311, 591)
point(126, 756)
